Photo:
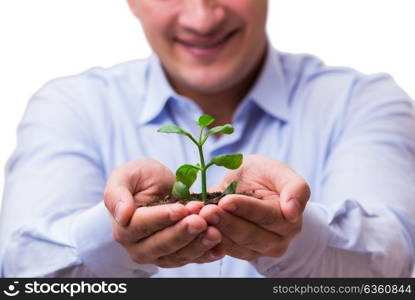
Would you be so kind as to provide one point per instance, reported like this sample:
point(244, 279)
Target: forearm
point(372, 242)
point(352, 243)
point(343, 263)
point(77, 245)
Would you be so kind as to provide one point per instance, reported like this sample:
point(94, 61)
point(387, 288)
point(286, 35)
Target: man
point(349, 138)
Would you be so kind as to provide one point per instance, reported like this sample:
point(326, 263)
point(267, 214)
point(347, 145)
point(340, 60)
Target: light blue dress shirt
point(350, 135)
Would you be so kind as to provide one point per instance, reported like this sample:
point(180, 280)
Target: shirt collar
point(269, 91)
point(159, 91)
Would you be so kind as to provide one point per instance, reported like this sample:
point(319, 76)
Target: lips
point(206, 43)
point(206, 47)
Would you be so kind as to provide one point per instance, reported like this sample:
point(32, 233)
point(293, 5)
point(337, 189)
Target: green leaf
point(187, 174)
point(181, 191)
point(170, 128)
point(229, 161)
point(205, 120)
point(231, 188)
point(225, 129)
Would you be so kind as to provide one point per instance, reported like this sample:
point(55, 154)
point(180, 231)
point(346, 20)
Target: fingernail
point(230, 207)
point(294, 208)
point(118, 211)
point(213, 255)
point(213, 219)
point(207, 242)
point(175, 213)
point(192, 230)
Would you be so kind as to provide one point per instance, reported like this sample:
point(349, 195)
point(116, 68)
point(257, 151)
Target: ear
point(133, 7)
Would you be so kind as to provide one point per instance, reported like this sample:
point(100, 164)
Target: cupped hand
point(265, 220)
point(169, 235)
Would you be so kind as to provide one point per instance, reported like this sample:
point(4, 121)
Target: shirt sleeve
point(362, 223)
point(54, 222)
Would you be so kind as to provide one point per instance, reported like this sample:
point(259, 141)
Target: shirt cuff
point(92, 236)
point(304, 251)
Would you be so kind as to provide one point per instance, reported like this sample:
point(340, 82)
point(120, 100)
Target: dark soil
point(212, 198)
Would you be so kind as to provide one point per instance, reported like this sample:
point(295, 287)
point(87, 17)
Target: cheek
point(254, 16)
point(157, 23)
point(158, 36)
point(252, 12)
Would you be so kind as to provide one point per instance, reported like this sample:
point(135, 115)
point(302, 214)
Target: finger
point(241, 232)
point(264, 213)
point(278, 177)
point(195, 249)
point(194, 206)
point(119, 202)
point(170, 239)
point(137, 181)
point(234, 250)
point(211, 255)
point(294, 197)
point(148, 220)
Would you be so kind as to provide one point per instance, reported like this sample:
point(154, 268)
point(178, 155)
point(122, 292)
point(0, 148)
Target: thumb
point(118, 197)
point(140, 181)
point(120, 203)
point(294, 197)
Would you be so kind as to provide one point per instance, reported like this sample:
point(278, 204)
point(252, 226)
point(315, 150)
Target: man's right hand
point(168, 236)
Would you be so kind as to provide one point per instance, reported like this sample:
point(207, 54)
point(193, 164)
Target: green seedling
point(187, 174)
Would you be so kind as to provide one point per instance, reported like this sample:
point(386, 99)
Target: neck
point(228, 99)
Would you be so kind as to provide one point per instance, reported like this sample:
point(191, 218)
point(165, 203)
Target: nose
point(202, 17)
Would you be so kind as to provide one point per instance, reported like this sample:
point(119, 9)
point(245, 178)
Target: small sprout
point(229, 161)
point(205, 121)
point(186, 174)
point(231, 189)
point(180, 190)
point(169, 128)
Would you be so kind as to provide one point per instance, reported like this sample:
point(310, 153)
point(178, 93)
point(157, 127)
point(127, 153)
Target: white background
point(44, 39)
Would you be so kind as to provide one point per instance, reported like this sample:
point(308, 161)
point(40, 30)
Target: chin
point(208, 87)
point(211, 82)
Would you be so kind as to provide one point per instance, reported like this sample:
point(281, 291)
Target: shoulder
point(96, 93)
point(98, 80)
point(332, 90)
point(306, 73)
point(326, 102)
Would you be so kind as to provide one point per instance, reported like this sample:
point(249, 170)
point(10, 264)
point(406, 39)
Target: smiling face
point(206, 46)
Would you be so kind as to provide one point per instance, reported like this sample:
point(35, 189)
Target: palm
point(149, 180)
point(258, 176)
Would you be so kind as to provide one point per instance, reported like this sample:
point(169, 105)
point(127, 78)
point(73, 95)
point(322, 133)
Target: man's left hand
point(265, 223)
